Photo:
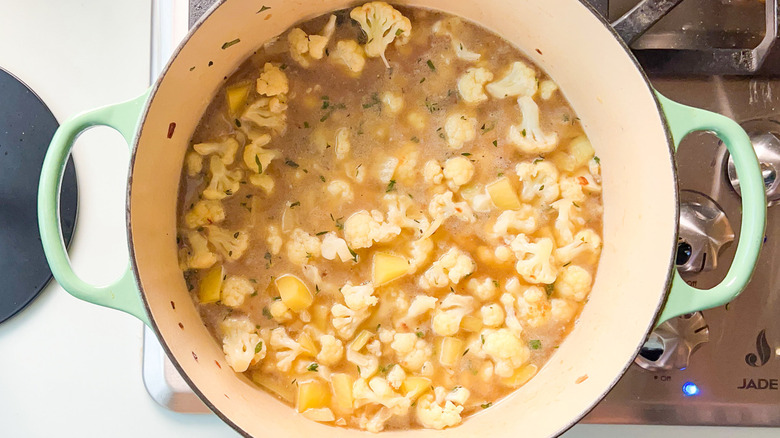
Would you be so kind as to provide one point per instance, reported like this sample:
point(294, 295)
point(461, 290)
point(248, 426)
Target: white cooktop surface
point(71, 369)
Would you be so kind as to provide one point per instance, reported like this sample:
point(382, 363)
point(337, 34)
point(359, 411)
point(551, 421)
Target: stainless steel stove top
point(717, 367)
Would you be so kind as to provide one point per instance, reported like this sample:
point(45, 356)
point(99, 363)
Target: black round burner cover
point(26, 128)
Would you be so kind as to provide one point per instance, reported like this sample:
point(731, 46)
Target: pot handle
point(123, 294)
point(684, 298)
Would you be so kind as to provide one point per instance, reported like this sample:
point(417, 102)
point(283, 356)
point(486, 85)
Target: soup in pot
point(389, 218)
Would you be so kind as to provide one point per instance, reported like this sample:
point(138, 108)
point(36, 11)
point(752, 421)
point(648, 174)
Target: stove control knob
point(672, 343)
point(704, 230)
point(767, 147)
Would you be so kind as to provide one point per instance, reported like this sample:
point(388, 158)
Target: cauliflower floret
point(448, 27)
point(508, 301)
point(302, 44)
point(274, 240)
point(407, 171)
point(333, 245)
point(382, 24)
point(392, 102)
point(378, 391)
point(459, 129)
point(341, 189)
point(442, 208)
point(331, 350)
point(458, 395)
point(362, 229)
point(349, 54)
point(507, 351)
point(547, 88)
point(387, 169)
point(279, 311)
point(268, 112)
point(451, 267)
point(539, 179)
point(256, 158)
point(566, 220)
point(446, 320)
point(562, 310)
point(484, 289)
point(573, 283)
point(205, 212)
point(594, 167)
point(343, 145)
point(520, 80)
point(398, 213)
point(194, 163)
point(396, 376)
point(346, 320)
point(419, 307)
point(481, 203)
point(287, 350)
point(528, 137)
point(302, 247)
point(199, 256)
point(231, 245)
point(587, 181)
point(374, 423)
point(433, 173)
point(225, 149)
point(524, 220)
point(534, 307)
point(272, 81)
point(367, 363)
point(235, 289)
point(412, 352)
point(421, 250)
point(458, 171)
point(571, 189)
point(492, 315)
point(359, 297)
point(471, 85)
point(241, 343)
point(535, 261)
point(432, 415)
point(586, 241)
point(222, 182)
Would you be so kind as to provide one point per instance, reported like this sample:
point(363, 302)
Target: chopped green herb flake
point(482, 338)
point(399, 32)
point(353, 253)
point(231, 43)
point(313, 367)
point(464, 353)
point(523, 132)
point(495, 283)
point(430, 65)
point(373, 102)
point(283, 66)
point(535, 344)
point(415, 139)
point(538, 160)
point(267, 313)
point(390, 186)
point(419, 334)
point(495, 143)
point(597, 160)
point(486, 405)
point(321, 233)
point(421, 80)
point(306, 125)
point(549, 288)
point(259, 164)
point(322, 178)
point(292, 164)
point(295, 204)
point(238, 123)
point(263, 9)
point(276, 298)
point(259, 347)
point(466, 154)
point(575, 204)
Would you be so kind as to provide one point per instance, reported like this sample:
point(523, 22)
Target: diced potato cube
point(503, 194)
point(342, 391)
point(211, 285)
point(294, 292)
point(307, 343)
point(471, 323)
point(272, 384)
point(520, 376)
point(388, 267)
point(312, 394)
point(360, 340)
point(576, 154)
point(236, 96)
point(450, 351)
point(414, 387)
point(320, 317)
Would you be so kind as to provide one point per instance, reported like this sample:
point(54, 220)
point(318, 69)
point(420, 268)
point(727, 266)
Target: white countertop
point(69, 368)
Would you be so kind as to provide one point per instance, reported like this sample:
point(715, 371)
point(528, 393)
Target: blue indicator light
point(690, 389)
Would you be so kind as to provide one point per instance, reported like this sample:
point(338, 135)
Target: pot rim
point(134, 266)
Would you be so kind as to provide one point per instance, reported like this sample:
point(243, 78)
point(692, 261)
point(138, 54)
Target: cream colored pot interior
point(620, 115)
